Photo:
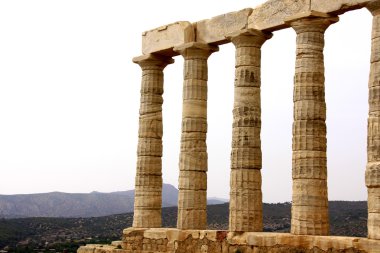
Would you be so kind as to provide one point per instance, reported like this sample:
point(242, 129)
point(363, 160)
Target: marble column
point(309, 167)
point(372, 174)
point(245, 180)
point(192, 197)
point(148, 181)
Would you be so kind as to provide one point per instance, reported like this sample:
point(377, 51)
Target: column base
point(173, 240)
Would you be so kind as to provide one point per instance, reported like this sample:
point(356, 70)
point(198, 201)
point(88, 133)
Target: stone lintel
point(270, 16)
point(337, 7)
point(311, 15)
point(215, 30)
point(162, 39)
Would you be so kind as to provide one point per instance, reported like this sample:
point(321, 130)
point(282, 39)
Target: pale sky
point(69, 97)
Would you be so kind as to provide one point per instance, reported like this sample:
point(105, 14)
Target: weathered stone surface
point(337, 6)
point(372, 174)
point(213, 241)
point(245, 181)
point(271, 15)
point(164, 38)
point(374, 200)
point(148, 181)
point(309, 198)
point(99, 248)
point(310, 192)
point(216, 29)
point(248, 29)
point(193, 180)
point(193, 157)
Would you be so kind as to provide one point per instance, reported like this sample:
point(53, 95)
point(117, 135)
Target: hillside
point(346, 219)
point(94, 204)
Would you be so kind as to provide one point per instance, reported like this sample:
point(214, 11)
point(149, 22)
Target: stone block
point(309, 142)
point(196, 161)
point(309, 110)
point(310, 192)
point(192, 180)
point(337, 6)
point(248, 56)
point(146, 218)
point(309, 164)
point(194, 125)
point(270, 15)
point(247, 76)
point(374, 226)
point(245, 179)
point(192, 199)
point(374, 200)
point(151, 165)
point(192, 219)
point(309, 127)
point(195, 89)
point(248, 137)
point(156, 233)
point(246, 158)
point(194, 109)
point(216, 29)
point(247, 96)
point(248, 121)
point(148, 200)
point(149, 147)
point(372, 175)
point(310, 214)
point(164, 38)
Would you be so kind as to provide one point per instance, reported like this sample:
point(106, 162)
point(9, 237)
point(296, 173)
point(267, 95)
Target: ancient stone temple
point(248, 30)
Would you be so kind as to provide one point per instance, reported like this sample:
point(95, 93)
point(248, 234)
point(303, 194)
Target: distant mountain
point(216, 201)
point(94, 204)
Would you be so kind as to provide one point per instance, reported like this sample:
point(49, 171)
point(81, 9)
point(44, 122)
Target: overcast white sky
point(69, 97)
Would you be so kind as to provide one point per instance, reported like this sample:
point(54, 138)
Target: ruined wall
point(172, 240)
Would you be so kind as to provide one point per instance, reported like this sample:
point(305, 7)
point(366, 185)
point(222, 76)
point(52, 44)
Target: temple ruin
point(247, 29)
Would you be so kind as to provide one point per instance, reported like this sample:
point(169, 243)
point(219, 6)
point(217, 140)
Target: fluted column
point(148, 181)
point(192, 198)
point(309, 169)
point(372, 175)
point(245, 180)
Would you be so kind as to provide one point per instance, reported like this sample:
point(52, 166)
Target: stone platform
point(212, 241)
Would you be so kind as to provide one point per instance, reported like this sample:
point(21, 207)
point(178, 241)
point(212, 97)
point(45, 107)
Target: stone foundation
point(172, 240)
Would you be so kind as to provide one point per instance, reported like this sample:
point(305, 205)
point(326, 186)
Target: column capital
point(196, 50)
point(374, 7)
point(153, 61)
point(311, 21)
point(249, 37)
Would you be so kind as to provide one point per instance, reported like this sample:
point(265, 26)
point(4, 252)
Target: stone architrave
point(272, 15)
point(216, 30)
point(310, 200)
point(245, 182)
point(372, 175)
point(148, 181)
point(163, 39)
point(192, 196)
